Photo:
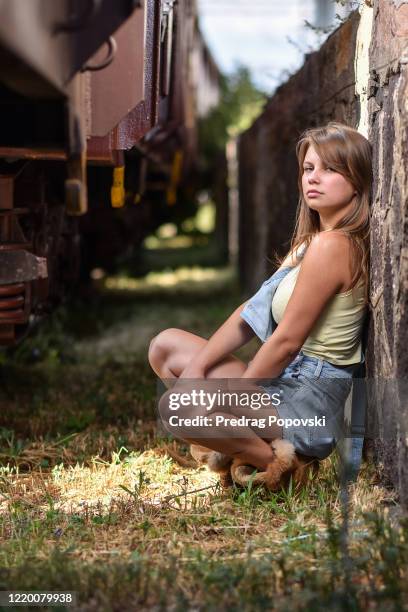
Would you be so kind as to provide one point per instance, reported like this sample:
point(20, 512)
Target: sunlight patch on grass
point(151, 476)
point(194, 278)
point(175, 242)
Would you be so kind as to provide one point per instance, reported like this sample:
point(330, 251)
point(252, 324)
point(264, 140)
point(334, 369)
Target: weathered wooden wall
point(388, 338)
point(359, 77)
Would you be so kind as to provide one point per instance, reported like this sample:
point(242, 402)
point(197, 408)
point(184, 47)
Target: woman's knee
point(160, 346)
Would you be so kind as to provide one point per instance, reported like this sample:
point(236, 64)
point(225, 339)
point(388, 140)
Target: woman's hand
point(188, 381)
point(193, 371)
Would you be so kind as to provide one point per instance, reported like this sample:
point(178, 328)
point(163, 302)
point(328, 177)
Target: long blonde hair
point(349, 153)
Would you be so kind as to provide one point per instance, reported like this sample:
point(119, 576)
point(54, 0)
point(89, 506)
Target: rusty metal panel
point(33, 153)
point(169, 34)
point(43, 43)
point(119, 88)
point(6, 192)
point(100, 150)
point(143, 116)
point(167, 107)
point(181, 108)
point(21, 266)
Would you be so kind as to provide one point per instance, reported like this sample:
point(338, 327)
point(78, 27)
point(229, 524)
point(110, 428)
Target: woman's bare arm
point(232, 334)
point(322, 275)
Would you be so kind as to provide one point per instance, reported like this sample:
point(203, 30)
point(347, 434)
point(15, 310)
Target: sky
point(269, 36)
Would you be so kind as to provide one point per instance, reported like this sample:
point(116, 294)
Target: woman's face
point(323, 187)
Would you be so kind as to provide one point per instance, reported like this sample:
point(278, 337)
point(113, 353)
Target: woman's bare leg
point(169, 353)
point(252, 449)
point(173, 349)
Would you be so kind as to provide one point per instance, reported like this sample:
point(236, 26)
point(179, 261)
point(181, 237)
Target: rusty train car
point(99, 101)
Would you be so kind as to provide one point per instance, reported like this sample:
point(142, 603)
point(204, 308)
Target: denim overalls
point(310, 391)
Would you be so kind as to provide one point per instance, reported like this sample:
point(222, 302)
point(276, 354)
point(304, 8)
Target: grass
point(91, 501)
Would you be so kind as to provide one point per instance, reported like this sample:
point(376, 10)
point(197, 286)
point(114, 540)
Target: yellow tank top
point(336, 336)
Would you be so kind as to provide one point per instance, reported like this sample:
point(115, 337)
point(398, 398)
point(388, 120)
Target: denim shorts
point(312, 395)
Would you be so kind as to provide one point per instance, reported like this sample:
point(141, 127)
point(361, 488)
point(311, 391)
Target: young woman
point(309, 315)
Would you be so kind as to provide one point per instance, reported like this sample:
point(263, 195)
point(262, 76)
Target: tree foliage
point(240, 103)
